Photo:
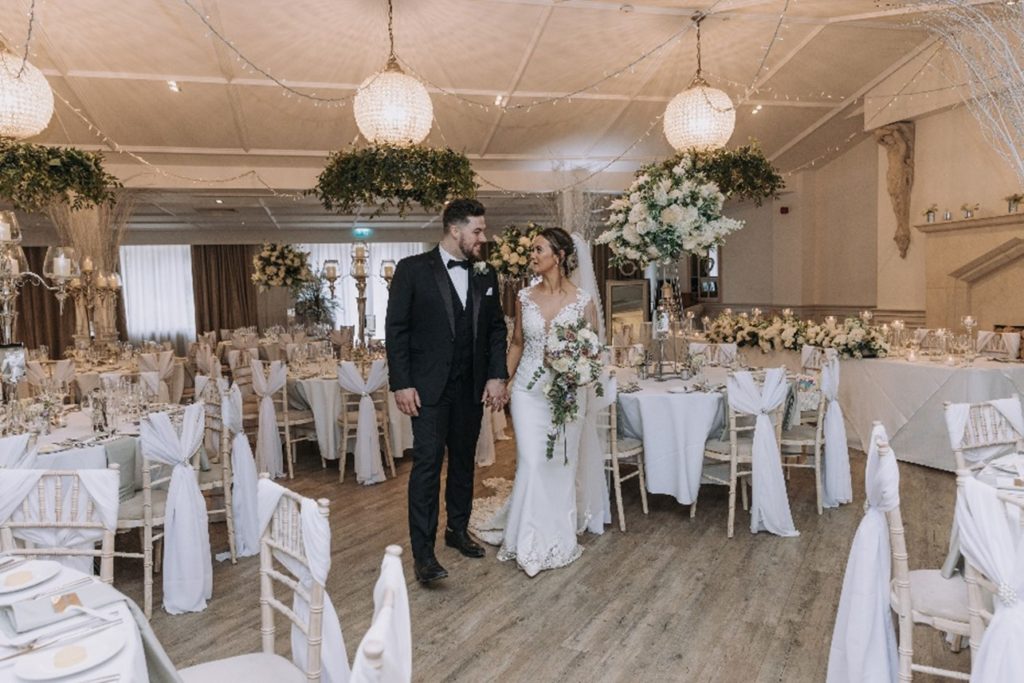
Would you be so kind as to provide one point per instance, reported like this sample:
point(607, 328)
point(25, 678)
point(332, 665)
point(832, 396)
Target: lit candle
point(389, 270)
point(360, 251)
point(756, 312)
point(12, 264)
point(359, 269)
point(5, 231)
point(87, 265)
point(61, 266)
point(830, 320)
point(727, 311)
point(787, 312)
point(114, 281)
point(101, 281)
point(331, 271)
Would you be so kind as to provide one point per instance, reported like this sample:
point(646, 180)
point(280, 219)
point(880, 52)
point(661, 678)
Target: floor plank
point(672, 599)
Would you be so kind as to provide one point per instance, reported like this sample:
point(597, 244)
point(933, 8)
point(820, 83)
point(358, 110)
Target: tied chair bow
point(187, 565)
point(838, 488)
point(269, 454)
point(593, 505)
point(243, 468)
point(864, 640)
point(369, 468)
point(769, 509)
point(315, 534)
point(991, 541)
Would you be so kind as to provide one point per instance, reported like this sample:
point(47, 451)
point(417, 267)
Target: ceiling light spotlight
point(219, 201)
point(173, 86)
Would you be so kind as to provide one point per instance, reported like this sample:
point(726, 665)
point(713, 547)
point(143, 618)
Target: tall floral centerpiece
point(280, 265)
point(665, 212)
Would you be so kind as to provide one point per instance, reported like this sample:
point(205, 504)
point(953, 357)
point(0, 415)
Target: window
point(158, 298)
point(376, 288)
point(704, 275)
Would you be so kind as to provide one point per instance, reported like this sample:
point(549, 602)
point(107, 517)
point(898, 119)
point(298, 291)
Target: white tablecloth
point(323, 396)
point(907, 398)
point(674, 428)
point(88, 380)
point(129, 663)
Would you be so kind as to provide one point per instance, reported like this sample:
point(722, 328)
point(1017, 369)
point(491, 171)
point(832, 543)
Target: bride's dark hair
point(564, 248)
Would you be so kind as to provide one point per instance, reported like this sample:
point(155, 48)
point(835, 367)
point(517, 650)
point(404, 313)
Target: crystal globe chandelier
point(26, 100)
point(392, 107)
point(700, 117)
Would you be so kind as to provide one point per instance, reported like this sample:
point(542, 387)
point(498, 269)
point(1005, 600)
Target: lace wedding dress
point(537, 523)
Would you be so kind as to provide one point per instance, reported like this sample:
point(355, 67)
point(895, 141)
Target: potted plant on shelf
point(930, 212)
point(969, 209)
point(1013, 202)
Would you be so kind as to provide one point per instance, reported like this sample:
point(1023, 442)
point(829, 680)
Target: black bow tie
point(452, 263)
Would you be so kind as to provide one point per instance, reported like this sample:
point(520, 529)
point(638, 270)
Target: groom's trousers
point(454, 421)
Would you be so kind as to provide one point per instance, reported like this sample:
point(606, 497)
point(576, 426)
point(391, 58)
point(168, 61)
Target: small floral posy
point(572, 358)
point(480, 267)
point(280, 265)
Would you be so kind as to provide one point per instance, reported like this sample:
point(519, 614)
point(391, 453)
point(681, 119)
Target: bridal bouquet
point(511, 252)
point(280, 265)
point(572, 357)
point(665, 212)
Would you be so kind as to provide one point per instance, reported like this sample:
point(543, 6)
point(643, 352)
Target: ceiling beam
point(920, 8)
point(769, 73)
point(839, 108)
point(517, 77)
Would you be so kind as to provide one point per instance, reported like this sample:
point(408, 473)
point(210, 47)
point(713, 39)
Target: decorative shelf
point(972, 223)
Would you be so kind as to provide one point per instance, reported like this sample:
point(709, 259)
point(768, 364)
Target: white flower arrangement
point(665, 212)
point(280, 265)
point(480, 267)
point(851, 338)
point(511, 253)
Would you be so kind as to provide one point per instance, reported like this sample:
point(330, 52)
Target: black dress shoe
point(429, 570)
point(463, 542)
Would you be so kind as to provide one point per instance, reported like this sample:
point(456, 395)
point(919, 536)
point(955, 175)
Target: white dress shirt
point(458, 276)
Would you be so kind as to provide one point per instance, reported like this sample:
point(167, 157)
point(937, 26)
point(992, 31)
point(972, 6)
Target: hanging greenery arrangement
point(384, 176)
point(741, 173)
point(34, 176)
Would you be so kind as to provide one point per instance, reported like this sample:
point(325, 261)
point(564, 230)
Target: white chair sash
point(811, 357)
point(991, 541)
point(864, 640)
point(769, 509)
point(838, 487)
point(269, 455)
point(391, 628)
point(163, 364)
point(316, 541)
point(957, 415)
point(723, 354)
point(999, 343)
point(12, 449)
point(187, 566)
point(206, 361)
point(64, 371)
point(485, 442)
point(369, 468)
point(593, 505)
point(156, 389)
point(100, 488)
point(243, 474)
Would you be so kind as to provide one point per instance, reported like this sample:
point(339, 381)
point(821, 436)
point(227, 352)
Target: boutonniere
point(481, 267)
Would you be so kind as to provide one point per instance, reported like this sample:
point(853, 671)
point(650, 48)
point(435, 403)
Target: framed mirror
point(626, 302)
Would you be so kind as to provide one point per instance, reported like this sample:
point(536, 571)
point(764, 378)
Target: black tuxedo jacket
point(420, 327)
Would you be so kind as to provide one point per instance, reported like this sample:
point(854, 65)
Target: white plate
point(32, 573)
point(74, 657)
point(678, 390)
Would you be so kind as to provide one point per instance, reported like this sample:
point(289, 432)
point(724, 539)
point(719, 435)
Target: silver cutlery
point(14, 562)
point(62, 638)
point(104, 679)
point(57, 590)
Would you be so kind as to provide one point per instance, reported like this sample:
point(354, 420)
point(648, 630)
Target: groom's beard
point(470, 248)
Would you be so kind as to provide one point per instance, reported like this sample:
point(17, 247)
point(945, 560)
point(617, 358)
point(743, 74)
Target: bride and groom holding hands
point(448, 359)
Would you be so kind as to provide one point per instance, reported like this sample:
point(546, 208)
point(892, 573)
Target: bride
point(539, 519)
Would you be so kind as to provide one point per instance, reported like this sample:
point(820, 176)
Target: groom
point(446, 359)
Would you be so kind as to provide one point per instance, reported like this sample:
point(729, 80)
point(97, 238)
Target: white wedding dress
point(537, 523)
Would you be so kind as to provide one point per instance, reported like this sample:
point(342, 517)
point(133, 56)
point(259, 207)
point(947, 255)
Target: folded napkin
point(31, 614)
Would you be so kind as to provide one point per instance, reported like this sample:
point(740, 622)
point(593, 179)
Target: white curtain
point(158, 296)
point(345, 287)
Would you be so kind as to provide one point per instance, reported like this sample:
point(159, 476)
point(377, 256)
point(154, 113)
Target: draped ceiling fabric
point(225, 297)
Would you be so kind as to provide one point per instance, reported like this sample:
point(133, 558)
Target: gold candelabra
point(360, 256)
point(95, 291)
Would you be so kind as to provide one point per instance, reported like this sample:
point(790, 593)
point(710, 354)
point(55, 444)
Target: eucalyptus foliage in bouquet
point(312, 304)
point(511, 252)
point(666, 211)
point(572, 360)
point(280, 265)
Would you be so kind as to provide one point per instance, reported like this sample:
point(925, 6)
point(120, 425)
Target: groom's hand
point(408, 401)
point(495, 396)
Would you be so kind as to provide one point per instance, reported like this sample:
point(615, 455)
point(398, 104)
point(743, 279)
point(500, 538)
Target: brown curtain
point(39, 317)
point(225, 297)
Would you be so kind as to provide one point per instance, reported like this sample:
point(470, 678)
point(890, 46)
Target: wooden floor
point(670, 600)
